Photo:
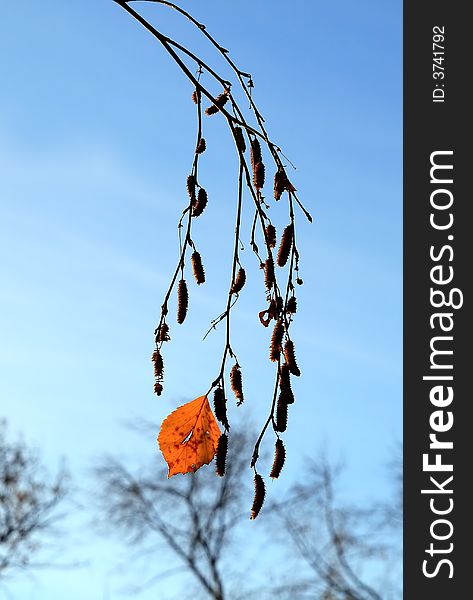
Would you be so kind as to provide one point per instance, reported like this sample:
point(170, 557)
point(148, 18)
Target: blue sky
point(96, 139)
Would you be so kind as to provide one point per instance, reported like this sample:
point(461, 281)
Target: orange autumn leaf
point(188, 437)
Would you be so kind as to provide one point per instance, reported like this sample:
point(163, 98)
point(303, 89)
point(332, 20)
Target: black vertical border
point(428, 127)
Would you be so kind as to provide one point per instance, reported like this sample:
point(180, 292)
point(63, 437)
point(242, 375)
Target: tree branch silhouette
point(192, 517)
point(28, 505)
point(335, 539)
point(281, 299)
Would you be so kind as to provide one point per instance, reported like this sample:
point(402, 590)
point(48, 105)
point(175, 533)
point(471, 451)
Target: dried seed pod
point(285, 245)
point(276, 341)
point(259, 496)
point(291, 306)
point(236, 383)
point(271, 235)
point(221, 455)
point(219, 101)
point(162, 334)
point(182, 301)
point(200, 204)
point(239, 282)
point(258, 175)
point(211, 110)
point(290, 357)
point(239, 139)
point(255, 152)
point(279, 458)
point(201, 146)
point(158, 371)
point(196, 96)
point(285, 384)
point(158, 364)
point(279, 183)
point(197, 267)
point(281, 415)
point(191, 183)
point(269, 277)
point(299, 281)
point(220, 407)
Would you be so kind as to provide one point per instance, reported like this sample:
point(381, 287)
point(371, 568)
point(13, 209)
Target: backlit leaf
point(188, 437)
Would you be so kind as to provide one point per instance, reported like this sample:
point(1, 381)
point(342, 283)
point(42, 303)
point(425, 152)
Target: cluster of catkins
point(281, 351)
point(281, 347)
point(197, 203)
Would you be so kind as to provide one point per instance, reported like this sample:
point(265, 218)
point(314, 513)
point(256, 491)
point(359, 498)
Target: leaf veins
point(188, 437)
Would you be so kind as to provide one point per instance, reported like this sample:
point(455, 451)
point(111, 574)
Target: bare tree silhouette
point(338, 541)
point(192, 516)
point(334, 543)
point(29, 503)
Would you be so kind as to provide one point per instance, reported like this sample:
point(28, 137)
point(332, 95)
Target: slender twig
point(187, 238)
point(336, 539)
point(226, 315)
point(274, 148)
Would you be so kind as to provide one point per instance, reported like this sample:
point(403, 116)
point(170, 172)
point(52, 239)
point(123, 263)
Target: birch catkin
point(158, 371)
point(255, 152)
point(291, 305)
point(285, 384)
point(162, 334)
point(219, 102)
point(191, 183)
point(201, 146)
point(257, 163)
point(220, 407)
point(198, 269)
point(290, 356)
point(200, 203)
point(182, 301)
point(279, 184)
point(221, 456)
point(236, 383)
point(258, 499)
point(276, 341)
point(258, 175)
point(269, 277)
point(240, 280)
point(271, 235)
point(281, 415)
point(239, 139)
point(279, 459)
point(285, 245)
point(158, 364)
